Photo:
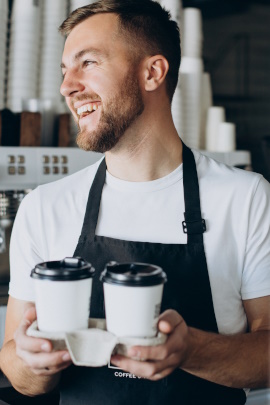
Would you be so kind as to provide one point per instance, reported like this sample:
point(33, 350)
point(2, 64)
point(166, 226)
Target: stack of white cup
point(215, 116)
point(192, 40)
point(190, 89)
point(226, 137)
point(191, 78)
point(52, 44)
point(206, 103)
point(220, 135)
point(23, 53)
point(175, 9)
point(3, 48)
point(74, 4)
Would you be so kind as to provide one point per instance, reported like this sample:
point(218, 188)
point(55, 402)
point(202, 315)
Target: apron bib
point(187, 291)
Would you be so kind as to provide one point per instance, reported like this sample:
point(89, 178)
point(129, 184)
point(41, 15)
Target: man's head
point(145, 26)
point(116, 52)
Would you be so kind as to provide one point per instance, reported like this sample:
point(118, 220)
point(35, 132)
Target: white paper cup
point(206, 103)
point(215, 115)
point(133, 295)
point(226, 137)
point(63, 293)
point(192, 32)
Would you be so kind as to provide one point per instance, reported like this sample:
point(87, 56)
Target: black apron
point(187, 291)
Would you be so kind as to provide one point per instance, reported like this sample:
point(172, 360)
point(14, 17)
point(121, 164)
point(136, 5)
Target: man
point(120, 67)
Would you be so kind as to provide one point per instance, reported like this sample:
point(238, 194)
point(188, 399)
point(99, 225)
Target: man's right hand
point(36, 353)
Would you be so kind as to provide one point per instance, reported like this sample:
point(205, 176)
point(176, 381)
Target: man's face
point(100, 84)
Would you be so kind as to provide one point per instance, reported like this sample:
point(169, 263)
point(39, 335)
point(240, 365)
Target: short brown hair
point(147, 27)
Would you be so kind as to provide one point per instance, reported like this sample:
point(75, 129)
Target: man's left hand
point(156, 362)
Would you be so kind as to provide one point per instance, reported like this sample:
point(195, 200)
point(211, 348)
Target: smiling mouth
point(87, 109)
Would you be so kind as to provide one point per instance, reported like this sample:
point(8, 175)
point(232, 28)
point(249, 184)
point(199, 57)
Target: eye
point(88, 62)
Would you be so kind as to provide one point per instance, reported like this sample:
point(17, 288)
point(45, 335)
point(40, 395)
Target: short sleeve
point(256, 272)
point(25, 248)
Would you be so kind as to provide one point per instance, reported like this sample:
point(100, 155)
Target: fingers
point(24, 342)
point(47, 364)
point(156, 362)
point(151, 370)
point(37, 353)
point(175, 343)
point(30, 314)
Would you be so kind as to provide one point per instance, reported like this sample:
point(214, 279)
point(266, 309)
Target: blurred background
point(225, 63)
point(221, 105)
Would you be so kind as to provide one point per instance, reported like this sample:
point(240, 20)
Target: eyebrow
point(83, 52)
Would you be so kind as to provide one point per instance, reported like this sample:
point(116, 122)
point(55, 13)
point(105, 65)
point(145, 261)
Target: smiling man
point(151, 200)
point(109, 99)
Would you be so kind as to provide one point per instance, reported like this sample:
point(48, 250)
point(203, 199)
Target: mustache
point(83, 97)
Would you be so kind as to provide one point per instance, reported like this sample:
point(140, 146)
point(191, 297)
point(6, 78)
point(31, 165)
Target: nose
point(71, 84)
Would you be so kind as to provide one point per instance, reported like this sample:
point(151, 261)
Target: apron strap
point(93, 204)
point(194, 224)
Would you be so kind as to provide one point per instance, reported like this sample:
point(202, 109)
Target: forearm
point(21, 377)
point(236, 361)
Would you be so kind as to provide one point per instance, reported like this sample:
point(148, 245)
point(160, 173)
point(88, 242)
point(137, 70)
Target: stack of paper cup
point(192, 33)
point(191, 77)
point(74, 4)
point(175, 9)
point(52, 44)
point(176, 109)
point(191, 65)
point(3, 49)
point(226, 137)
point(190, 109)
point(215, 116)
point(23, 53)
point(206, 103)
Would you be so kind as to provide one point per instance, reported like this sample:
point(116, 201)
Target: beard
point(117, 114)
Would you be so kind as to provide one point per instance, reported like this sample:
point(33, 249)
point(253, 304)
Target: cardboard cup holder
point(94, 346)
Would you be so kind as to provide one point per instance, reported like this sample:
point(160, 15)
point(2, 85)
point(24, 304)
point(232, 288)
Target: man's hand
point(37, 353)
point(156, 362)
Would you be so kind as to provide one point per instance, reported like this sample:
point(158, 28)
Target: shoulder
point(219, 176)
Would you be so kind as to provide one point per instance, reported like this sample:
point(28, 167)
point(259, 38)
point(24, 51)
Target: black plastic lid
point(70, 268)
point(133, 274)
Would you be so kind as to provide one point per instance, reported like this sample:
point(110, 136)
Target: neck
point(149, 150)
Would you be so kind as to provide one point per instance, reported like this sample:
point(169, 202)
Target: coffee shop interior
point(221, 105)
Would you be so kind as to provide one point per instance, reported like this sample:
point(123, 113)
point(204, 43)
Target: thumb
point(29, 316)
point(168, 321)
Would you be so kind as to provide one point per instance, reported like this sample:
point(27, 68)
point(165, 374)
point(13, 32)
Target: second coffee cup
point(133, 294)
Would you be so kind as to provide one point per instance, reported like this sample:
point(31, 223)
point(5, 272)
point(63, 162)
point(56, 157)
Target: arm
point(236, 360)
point(29, 363)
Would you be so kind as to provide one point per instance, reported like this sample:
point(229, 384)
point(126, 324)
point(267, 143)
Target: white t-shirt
point(235, 205)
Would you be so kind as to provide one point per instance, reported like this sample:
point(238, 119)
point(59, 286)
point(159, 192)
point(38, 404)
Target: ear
point(155, 71)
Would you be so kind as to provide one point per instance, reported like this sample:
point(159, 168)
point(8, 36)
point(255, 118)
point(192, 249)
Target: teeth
point(87, 107)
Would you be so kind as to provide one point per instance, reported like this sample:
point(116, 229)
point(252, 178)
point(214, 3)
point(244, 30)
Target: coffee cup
point(132, 295)
point(63, 294)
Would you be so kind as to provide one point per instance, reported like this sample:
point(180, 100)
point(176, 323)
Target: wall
point(237, 55)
